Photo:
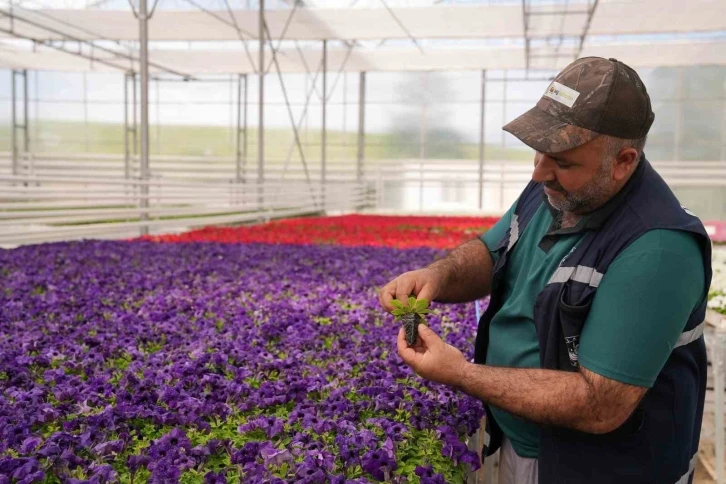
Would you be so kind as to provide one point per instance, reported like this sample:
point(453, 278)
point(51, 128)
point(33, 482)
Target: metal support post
point(85, 111)
point(245, 142)
point(307, 124)
point(261, 110)
point(127, 149)
point(325, 131)
point(482, 143)
point(13, 123)
point(238, 133)
point(158, 116)
point(144, 61)
point(26, 119)
point(135, 131)
point(719, 387)
point(361, 126)
point(131, 142)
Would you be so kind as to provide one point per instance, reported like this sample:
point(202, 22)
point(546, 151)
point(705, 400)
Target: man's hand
point(423, 283)
point(431, 358)
point(463, 275)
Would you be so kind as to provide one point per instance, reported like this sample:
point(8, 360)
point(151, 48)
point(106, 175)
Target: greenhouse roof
point(643, 33)
point(447, 22)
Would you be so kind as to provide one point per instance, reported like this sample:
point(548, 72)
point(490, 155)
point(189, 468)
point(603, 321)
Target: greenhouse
point(209, 209)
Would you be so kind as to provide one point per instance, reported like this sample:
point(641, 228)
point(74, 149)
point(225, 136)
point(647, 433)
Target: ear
point(625, 163)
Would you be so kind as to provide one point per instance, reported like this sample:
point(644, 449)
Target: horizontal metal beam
point(556, 55)
point(15, 17)
point(66, 51)
point(559, 12)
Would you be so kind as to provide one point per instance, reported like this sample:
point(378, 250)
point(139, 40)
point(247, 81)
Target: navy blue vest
point(659, 442)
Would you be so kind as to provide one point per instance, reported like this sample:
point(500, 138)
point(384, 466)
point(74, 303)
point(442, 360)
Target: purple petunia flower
point(30, 444)
point(379, 464)
point(274, 457)
point(215, 478)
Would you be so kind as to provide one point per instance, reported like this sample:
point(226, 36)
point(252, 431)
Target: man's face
point(578, 180)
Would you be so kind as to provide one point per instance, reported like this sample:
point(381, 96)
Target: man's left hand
point(431, 358)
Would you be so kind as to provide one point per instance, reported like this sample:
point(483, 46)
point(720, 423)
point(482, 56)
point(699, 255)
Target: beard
point(586, 199)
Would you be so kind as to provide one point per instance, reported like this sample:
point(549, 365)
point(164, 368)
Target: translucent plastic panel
point(662, 136)
point(661, 83)
point(702, 135)
point(704, 83)
point(191, 140)
point(387, 87)
point(709, 203)
point(60, 85)
point(198, 114)
point(345, 90)
point(66, 111)
point(105, 87)
point(207, 91)
point(525, 91)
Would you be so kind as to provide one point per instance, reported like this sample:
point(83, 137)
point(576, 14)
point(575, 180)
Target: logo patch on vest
point(573, 346)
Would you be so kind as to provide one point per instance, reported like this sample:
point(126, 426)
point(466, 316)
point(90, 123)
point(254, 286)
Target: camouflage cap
point(591, 96)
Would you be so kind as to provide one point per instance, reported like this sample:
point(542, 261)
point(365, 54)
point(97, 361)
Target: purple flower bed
point(141, 362)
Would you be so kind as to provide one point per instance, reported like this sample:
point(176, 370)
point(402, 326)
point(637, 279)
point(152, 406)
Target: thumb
point(428, 336)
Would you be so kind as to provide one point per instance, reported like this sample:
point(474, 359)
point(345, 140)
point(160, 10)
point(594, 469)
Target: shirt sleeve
point(641, 307)
point(492, 236)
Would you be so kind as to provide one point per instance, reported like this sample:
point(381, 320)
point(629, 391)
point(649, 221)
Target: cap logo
point(562, 94)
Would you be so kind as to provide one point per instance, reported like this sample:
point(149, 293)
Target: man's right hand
point(423, 284)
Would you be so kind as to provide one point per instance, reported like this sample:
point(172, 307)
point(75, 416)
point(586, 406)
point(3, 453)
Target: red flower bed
point(347, 230)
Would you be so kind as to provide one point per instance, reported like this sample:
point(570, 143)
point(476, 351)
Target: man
point(590, 357)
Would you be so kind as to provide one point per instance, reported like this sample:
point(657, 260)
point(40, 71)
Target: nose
point(543, 168)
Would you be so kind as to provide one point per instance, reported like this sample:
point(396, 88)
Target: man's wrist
point(464, 377)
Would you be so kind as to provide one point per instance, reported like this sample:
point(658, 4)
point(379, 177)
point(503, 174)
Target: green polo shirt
point(639, 311)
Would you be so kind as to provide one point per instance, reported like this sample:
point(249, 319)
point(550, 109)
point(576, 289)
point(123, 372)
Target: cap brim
point(546, 134)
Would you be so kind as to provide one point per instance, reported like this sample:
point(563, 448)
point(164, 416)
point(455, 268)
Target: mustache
point(555, 186)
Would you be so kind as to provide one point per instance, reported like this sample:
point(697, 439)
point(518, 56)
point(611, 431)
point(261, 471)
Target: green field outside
point(77, 137)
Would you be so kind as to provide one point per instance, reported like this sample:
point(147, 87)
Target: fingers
point(401, 340)
point(419, 283)
point(404, 287)
point(406, 353)
point(426, 292)
point(428, 337)
point(386, 294)
point(399, 288)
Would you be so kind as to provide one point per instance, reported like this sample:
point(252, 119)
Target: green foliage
point(152, 347)
point(721, 295)
point(121, 362)
point(323, 321)
point(412, 306)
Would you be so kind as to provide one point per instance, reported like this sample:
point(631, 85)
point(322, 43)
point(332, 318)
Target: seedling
point(411, 314)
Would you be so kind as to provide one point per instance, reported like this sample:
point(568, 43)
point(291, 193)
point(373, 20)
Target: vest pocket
point(572, 319)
